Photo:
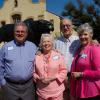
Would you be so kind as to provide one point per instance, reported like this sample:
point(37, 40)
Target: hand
point(76, 75)
point(38, 53)
point(36, 77)
point(66, 82)
point(48, 80)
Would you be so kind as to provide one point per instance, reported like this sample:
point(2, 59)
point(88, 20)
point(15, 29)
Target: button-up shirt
point(16, 61)
point(53, 67)
point(68, 48)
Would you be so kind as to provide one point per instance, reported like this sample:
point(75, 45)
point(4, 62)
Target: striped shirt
point(68, 48)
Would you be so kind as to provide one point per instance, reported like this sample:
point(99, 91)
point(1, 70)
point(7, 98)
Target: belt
point(18, 82)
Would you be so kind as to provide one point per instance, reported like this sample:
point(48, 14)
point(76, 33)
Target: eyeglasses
point(20, 31)
point(66, 25)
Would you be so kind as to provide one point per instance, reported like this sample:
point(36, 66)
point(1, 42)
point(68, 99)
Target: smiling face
point(47, 44)
point(85, 33)
point(66, 27)
point(85, 38)
point(20, 33)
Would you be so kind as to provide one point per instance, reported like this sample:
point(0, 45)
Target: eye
point(20, 31)
point(66, 25)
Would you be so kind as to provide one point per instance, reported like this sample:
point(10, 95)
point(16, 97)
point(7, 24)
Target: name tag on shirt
point(55, 57)
point(84, 55)
point(10, 48)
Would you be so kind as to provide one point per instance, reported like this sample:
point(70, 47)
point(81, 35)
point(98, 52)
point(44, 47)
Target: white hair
point(44, 36)
point(85, 28)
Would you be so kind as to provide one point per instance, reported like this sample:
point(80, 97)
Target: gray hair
point(69, 20)
point(85, 28)
point(20, 23)
point(66, 19)
point(45, 35)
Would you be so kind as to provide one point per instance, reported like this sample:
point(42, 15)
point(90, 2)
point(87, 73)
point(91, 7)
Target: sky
point(56, 6)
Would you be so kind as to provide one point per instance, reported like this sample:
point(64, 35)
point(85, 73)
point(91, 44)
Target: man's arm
point(2, 80)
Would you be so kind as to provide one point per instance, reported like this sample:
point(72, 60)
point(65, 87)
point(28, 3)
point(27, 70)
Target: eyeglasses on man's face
point(20, 31)
point(66, 25)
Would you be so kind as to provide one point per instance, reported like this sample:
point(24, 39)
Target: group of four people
point(74, 65)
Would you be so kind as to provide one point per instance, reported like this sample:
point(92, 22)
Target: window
point(16, 3)
point(16, 18)
point(3, 23)
point(52, 21)
point(35, 1)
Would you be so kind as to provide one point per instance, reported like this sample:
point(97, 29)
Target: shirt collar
point(67, 39)
point(19, 44)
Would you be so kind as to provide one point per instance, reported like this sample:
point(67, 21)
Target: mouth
point(47, 46)
point(66, 30)
point(20, 35)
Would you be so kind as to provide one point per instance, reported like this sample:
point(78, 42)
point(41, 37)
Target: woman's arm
point(94, 73)
point(62, 74)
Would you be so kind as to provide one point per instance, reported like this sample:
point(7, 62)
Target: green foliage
point(83, 12)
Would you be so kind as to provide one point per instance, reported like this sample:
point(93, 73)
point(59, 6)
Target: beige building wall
point(28, 9)
point(56, 21)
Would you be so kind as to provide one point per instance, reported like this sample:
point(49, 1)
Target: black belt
point(18, 82)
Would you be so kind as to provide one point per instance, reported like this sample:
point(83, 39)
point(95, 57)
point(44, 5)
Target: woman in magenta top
point(85, 70)
point(50, 71)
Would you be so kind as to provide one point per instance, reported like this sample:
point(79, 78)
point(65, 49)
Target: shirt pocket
point(9, 57)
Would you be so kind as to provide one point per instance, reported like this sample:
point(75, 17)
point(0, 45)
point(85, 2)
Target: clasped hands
point(46, 80)
point(77, 75)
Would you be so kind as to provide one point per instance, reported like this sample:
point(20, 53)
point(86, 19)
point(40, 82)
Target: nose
point(82, 36)
point(19, 32)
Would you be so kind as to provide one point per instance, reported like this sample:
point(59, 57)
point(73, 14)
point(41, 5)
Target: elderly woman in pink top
point(50, 71)
point(85, 71)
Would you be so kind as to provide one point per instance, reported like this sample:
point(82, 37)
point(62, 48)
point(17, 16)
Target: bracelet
point(81, 74)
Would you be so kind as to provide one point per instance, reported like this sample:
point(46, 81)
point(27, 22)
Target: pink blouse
point(54, 68)
point(89, 64)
